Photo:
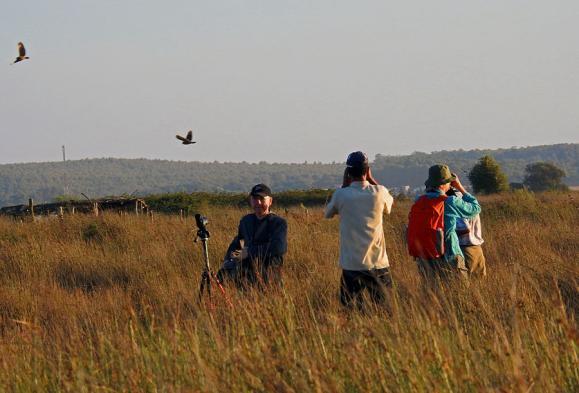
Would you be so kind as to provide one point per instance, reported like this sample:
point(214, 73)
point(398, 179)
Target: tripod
point(207, 276)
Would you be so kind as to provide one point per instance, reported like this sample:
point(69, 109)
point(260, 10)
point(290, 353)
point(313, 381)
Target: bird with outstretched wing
point(21, 53)
point(188, 140)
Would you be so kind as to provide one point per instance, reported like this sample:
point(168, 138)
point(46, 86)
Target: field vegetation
point(110, 304)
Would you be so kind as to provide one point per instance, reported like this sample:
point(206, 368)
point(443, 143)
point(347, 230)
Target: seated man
point(256, 254)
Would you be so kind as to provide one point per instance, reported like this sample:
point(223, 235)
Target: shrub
point(487, 177)
point(92, 232)
point(543, 176)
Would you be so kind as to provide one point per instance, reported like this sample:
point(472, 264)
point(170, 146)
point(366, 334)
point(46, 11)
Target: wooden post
point(31, 208)
point(73, 210)
point(95, 209)
point(61, 211)
point(137, 208)
point(181, 214)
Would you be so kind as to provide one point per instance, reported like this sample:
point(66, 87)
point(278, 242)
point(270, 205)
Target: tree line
point(45, 182)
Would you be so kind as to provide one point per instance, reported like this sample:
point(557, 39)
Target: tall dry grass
point(110, 304)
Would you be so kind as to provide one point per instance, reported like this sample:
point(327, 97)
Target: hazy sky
point(285, 81)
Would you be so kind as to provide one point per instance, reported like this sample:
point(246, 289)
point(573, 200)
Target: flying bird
point(188, 140)
point(21, 53)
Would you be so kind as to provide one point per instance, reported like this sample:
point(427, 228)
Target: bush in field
point(543, 176)
point(487, 177)
point(92, 232)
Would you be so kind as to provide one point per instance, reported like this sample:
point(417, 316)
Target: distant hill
point(111, 176)
point(410, 169)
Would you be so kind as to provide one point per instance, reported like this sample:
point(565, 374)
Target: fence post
point(31, 207)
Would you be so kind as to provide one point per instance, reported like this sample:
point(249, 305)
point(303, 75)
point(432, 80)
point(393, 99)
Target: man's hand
point(458, 185)
point(239, 255)
point(370, 178)
point(347, 179)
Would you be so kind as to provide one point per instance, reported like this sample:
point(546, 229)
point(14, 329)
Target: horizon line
point(305, 162)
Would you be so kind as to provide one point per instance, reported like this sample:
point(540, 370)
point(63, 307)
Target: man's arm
point(331, 209)
point(388, 201)
point(370, 178)
point(347, 179)
point(467, 206)
point(235, 243)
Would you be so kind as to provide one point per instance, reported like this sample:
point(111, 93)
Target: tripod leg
point(201, 288)
point(205, 285)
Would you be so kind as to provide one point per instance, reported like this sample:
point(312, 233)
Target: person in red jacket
point(438, 254)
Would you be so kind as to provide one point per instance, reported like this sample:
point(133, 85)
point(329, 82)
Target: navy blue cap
point(357, 159)
point(260, 190)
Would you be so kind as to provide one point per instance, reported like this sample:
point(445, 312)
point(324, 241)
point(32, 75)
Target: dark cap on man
point(357, 159)
point(260, 190)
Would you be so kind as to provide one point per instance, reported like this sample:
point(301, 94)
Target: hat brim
point(435, 182)
point(361, 165)
point(260, 194)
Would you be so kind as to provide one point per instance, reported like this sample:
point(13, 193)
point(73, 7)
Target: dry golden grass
point(110, 304)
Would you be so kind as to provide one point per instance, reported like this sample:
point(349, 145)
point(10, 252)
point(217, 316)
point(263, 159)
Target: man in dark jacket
point(256, 254)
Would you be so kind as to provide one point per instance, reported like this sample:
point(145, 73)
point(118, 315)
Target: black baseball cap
point(357, 159)
point(260, 190)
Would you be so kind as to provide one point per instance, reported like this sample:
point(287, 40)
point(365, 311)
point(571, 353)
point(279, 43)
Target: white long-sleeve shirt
point(361, 207)
point(474, 236)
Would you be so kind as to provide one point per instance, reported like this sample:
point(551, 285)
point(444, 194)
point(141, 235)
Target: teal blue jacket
point(454, 208)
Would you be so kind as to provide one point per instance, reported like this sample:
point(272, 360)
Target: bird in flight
point(21, 53)
point(188, 140)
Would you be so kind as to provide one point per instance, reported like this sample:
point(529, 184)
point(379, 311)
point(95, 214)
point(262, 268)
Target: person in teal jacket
point(439, 182)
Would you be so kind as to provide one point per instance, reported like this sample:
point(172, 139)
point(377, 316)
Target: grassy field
point(110, 304)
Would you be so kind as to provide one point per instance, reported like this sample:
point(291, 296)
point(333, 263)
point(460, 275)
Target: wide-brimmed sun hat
point(439, 174)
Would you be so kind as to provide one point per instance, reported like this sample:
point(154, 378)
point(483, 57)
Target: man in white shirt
point(361, 203)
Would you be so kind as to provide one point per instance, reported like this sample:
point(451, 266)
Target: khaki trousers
point(474, 260)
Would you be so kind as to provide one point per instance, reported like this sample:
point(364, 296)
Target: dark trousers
point(440, 273)
point(355, 282)
point(261, 273)
point(252, 273)
point(442, 269)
